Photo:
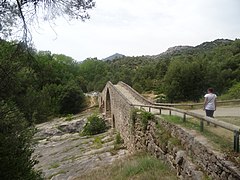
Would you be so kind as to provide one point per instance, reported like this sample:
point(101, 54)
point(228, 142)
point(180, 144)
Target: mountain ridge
point(114, 56)
point(177, 50)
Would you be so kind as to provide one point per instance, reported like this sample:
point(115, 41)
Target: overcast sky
point(141, 27)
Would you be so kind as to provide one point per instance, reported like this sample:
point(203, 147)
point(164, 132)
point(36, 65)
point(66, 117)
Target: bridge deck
point(127, 94)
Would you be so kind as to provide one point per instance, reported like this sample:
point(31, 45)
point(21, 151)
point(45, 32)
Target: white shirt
point(210, 98)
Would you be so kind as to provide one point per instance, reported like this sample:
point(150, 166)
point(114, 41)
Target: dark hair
point(210, 90)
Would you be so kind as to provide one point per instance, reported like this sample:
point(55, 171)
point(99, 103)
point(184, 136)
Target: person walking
point(210, 103)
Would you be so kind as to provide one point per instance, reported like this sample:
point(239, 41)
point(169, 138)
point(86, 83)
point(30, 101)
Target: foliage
point(118, 139)
point(25, 13)
point(183, 81)
point(94, 125)
point(98, 142)
point(71, 100)
point(181, 76)
point(233, 92)
point(69, 117)
point(145, 117)
point(133, 115)
point(41, 84)
point(16, 146)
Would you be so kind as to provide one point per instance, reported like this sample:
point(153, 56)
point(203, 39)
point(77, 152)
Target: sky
point(140, 27)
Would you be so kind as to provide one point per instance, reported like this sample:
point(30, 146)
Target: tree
point(184, 81)
point(23, 13)
point(72, 99)
point(16, 146)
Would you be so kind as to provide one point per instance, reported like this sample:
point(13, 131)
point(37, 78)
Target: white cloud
point(137, 27)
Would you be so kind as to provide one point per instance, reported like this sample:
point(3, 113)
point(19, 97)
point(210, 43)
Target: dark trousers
point(209, 113)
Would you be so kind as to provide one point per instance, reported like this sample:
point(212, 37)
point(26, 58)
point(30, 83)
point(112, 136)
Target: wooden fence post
point(149, 110)
point(201, 125)
point(170, 112)
point(236, 141)
point(184, 117)
point(160, 111)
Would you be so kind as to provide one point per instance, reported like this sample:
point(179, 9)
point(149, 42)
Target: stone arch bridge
point(116, 103)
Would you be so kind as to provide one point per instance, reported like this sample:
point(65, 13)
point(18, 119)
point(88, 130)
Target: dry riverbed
point(63, 154)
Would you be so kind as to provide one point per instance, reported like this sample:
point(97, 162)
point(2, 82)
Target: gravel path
point(222, 111)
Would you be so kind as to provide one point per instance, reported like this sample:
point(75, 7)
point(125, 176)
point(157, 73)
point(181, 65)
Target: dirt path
point(222, 111)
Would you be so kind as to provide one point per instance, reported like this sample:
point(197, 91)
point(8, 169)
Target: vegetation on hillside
point(182, 75)
point(43, 85)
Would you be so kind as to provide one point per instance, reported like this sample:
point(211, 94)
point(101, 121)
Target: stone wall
point(186, 152)
point(120, 111)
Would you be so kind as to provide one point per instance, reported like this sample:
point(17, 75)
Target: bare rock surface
point(64, 154)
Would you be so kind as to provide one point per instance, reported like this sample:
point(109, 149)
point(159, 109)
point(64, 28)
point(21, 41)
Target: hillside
point(182, 73)
point(180, 50)
point(114, 56)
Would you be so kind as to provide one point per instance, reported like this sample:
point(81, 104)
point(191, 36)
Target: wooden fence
point(233, 128)
point(194, 104)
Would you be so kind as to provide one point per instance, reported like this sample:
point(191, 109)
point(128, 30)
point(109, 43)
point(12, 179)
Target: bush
point(95, 125)
point(118, 139)
point(145, 117)
point(16, 146)
point(134, 115)
point(72, 99)
point(233, 92)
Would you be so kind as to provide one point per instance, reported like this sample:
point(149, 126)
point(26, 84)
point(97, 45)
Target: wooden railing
point(233, 128)
point(194, 104)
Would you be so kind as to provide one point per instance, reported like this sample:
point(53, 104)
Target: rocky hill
point(114, 56)
point(178, 50)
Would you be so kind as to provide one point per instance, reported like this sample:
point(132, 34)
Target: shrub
point(95, 125)
point(98, 142)
point(233, 92)
point(69, 117)
point(16, 145)
point(118, 139)
point(72, 99)
point(145, 117)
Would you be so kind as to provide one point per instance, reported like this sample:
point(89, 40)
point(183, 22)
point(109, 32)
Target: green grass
point(69, 117)
point(218, 141)
point(98, 142)
point(54, 165)
point(138, 167)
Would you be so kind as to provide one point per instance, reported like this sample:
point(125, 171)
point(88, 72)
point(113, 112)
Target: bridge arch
point(108, 104)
